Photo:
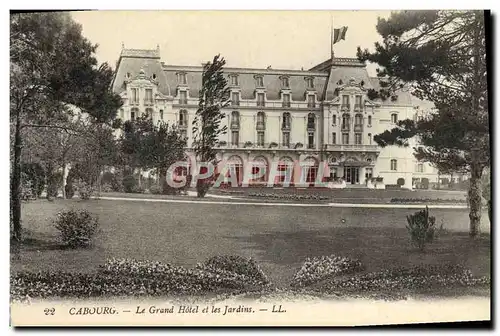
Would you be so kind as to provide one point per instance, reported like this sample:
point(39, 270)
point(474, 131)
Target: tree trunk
point(475, 199)
point(15, 188)
point(63, 182)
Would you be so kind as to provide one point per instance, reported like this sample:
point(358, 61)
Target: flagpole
point(331, 37)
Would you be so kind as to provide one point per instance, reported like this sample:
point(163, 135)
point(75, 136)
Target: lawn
point(279, 238)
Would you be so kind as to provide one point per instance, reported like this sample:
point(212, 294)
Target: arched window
point(358, 119)
point(394, 164)
point(149, 112)
point(369, 120)
point(286, 120)
point(134, 112)
point(346, 120)
point(394, 118)
point(183, 118)
point(235, 119)
point(261, 121)
point(369, 138)
point(311, 121)
point(334, 120)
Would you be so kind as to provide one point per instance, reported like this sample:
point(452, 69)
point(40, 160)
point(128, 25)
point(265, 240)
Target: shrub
point(319, 268)
point(379, 179)
point(445, 180)
point(76, 228)
point(69, 190)
point(294, 197)
point(129, 183)
point(401, 181)
point(53, 183)
point(421, 228)
point(169, 190)
point(425, 183)
point(155, 189)
point(107, 188)
point(27, 192)
point(34, 173)
point(85, 190)
point(113, 180)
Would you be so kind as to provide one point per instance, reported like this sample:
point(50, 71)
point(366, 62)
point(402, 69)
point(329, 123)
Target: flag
point(339, 34)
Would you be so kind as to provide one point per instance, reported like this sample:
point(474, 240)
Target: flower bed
point(416, 278)
point(427, 200)
point(119, 277)
point(293, 197)
point(319, 268)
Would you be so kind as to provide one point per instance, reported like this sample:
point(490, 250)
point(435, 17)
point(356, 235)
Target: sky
point(249, 39)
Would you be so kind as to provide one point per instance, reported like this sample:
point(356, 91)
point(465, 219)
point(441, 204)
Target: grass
point(279, 238)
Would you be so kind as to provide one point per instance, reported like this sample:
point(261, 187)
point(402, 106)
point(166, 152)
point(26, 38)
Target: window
point(368, 173)
point(183, 97)
point(370, 138)
point(394, 164)
point(286, 100)
point(346, 120)
point(183, 134)
point(310, 82)
point(286, 120)
point(285, 82)
point(149, 113)
point(358, 119)
point(334, 120)
point(345, 138)
point(310, 140)
point(358, 101)
point(134, 96)
point(333, 173)
point(161, 114)
point(128, 74)
point(235, 138)
point(183, 118)
point(260, 138)
point(235, 119)
point(235, 99)
point(357, 139)
point(148, 99)
point(261, 121)
point(311, 121)
point(369, 120)
point(334, 138)
point(182, 78)
point(133, 113)
point(261, 99)
point(311, 101)
point(259, 81)
point(345, 100)
point(234, 80)
point(286, 139)
point(420, 167)
point(394, 118)
point(121, 114)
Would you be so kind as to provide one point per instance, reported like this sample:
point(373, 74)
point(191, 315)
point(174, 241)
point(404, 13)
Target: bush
point(85, 190)
point(425, 183)
point(76, 228)
point(107, 188)
point(27, 192)
point(294, 197)
point(319, 268)
point(53, 183)
point(111, 180)
point(69, 190)
point(401, 181)
point(421, 228)
point(169, 190)
point(129, 183)
point(34, 173)
point(155, 189)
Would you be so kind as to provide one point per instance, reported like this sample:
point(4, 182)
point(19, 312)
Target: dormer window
point(181, 78)
point(183, 97)
point(235, 98)
point(309, 83)
point(154, 76)
point(311, 101)
point(259, 81)
point(286, 100)
point(128, 75)
point(285, 82)
point(261, 99)
point(234, 80)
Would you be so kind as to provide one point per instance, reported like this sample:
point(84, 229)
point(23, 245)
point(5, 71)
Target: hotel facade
point(282, 118)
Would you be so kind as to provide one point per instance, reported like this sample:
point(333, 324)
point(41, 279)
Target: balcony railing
point(358, 108)
point(358, 127)
point(345, 107)
point(345, 127)
point(235, 103)
point(183, 101)
point(311, 104)
point(261, 125)
point(235, 124)
point(134, 102)
point(285, 126)
point(267, 146)
point(353, 148)
point(261, 103)
point(286, 104)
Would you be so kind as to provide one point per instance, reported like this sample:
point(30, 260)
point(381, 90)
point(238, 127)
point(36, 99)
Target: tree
point(214, 96)
point(440, 56)
point(51, 66)
point(148, 146)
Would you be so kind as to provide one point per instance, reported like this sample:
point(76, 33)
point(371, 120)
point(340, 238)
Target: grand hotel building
point(281, 116)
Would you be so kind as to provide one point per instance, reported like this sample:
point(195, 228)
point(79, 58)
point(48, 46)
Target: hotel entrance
point(351, 175)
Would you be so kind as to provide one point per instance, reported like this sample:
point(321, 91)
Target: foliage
point(426, 200)
point(294, 197)
point(106, 188)
point(440, 56)
point(27, 189)
point(155, 189)
point(425, 183)
point(85, 190)
point(54, 180)
point(129, 183)
point(69, 189)
point(401, 181)
point(421, 228)
point(239, 265)
point(34, 173)
point(76, 227)
point(319, 268)
point(207, 128)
